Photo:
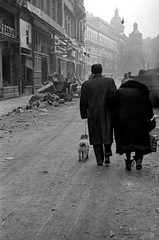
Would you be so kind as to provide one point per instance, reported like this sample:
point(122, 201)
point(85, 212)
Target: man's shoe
point(107, 160)
point(100, 164)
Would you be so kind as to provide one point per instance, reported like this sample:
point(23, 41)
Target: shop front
point(41, 41)
point(26, 56)
point(9, 53)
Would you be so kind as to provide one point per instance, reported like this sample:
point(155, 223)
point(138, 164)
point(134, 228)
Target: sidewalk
point(8, 105)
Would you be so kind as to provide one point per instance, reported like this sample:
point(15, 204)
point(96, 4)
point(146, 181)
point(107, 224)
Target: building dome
point(135, 34)
point(135, 29)
point(116, 22)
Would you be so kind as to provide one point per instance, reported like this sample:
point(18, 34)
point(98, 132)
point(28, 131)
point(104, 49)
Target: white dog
point(83, 148)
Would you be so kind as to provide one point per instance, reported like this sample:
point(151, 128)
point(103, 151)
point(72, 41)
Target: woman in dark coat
point(96, 94)
point(134, 108)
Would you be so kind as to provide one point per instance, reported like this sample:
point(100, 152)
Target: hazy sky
point(144, 12)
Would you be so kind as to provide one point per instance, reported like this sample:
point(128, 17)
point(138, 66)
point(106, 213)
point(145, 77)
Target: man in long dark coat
point(95, 105)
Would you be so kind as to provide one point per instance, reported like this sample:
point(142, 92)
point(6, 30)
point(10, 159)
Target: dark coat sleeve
point(83, 102)
point(111, 98)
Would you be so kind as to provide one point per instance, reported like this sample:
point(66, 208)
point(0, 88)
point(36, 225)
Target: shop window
point(41, 42)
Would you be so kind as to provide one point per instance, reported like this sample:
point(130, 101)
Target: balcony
point(80, 9)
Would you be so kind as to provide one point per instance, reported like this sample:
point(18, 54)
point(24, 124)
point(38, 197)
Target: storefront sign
point(25, 34)
point(6, 30)
point(25, 37)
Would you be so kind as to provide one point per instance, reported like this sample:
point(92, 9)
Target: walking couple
point(124, 111)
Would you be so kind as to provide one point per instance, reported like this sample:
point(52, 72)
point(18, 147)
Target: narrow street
point(47, 194)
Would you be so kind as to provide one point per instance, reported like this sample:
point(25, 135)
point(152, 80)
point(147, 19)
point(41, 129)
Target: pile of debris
point(42, 100)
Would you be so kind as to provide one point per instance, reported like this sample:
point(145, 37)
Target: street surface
point(47, 194)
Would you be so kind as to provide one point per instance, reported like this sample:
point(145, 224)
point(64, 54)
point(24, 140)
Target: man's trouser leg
point(107, 150)
point(99, 153)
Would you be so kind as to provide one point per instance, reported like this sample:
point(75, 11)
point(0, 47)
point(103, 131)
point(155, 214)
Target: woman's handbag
point(153, 143)
point(151, 124)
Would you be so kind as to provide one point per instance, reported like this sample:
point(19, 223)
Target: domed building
point(116, 22)
point(117, 29)
point(135, 35)
point(135, 50)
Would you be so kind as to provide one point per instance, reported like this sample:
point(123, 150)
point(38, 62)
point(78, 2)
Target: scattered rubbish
point(119, 212)
point(99, 173)
point(9, 158)
point(43, 105)
point(157, 209)
point(43, 110)
point(47, 88)
point(61, 100)
point(53, 209)
point(44, 114)
point(121, 227)
point(55, 104)
point(21, 120)
point(35, 120)
point(3, 222)
point(45, 172)
point(111, 233)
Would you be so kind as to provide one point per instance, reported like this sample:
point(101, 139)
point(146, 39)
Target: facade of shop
point(69, 50)
point(30, 33)
point(38, 32)
point(9, 50)
point(56, 33)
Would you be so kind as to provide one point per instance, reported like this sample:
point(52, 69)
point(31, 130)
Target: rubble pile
point(42, 100)
point(31, 115)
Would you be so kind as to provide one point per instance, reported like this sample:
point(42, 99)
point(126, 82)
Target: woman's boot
point(138, 162)
point(128, 164)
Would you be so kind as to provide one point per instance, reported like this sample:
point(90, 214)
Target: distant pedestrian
point(129, 75)
point(134, 109)
point(96, 95)
point(125, 78)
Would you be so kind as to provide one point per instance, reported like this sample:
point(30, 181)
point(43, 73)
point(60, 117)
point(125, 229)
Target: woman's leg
point(138, 159)
point(128, 161)
point(128, 155)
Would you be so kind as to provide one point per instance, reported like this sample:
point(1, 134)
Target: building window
point(57, 11)
point(66, 23)
point(72, 28)
point(46, 6)
point(69, 26)
point(41, 42)
point(53, 10)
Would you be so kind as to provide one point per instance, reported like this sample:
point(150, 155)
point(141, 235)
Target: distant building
point(155, 52)
point(117, 29)
point(116, 22)
point(100, 45)
point(135, 51)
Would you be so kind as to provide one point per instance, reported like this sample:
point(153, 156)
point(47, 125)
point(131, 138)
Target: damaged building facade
point(38, 38)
